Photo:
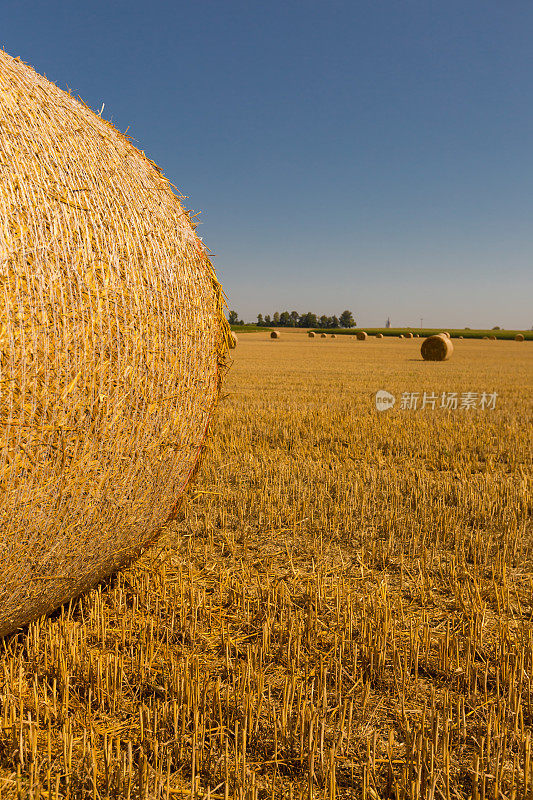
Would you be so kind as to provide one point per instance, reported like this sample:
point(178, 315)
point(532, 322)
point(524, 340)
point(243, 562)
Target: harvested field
point(343, 608)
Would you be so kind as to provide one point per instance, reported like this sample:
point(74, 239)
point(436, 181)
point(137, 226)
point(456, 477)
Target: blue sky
point(373, 155)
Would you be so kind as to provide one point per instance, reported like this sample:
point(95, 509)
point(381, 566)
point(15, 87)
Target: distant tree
point(308, 320)
point(292, 319)
point(233, 318)
point(240, 322)
point(346, 319)
point(496, 328)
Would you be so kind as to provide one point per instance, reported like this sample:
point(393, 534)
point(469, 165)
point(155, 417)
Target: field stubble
point(342, 610)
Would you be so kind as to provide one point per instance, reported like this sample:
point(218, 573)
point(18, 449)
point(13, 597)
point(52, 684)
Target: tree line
point(292, 319)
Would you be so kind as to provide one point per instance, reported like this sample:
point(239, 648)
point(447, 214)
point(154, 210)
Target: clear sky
point(373, 155)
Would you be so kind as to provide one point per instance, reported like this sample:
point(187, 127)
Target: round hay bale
point(486, 337)
point(445, 333)
point(408, 335)
point(274, 334)
point(519, 337)
point(311, 335)
point(436, 348)
point(379, 336)
point(401, 336)
point(492, 338)
point(233, 341)
point(112, 340)
point(333, 336)
point(323, 336)
point(461, 337)
point(362, 336)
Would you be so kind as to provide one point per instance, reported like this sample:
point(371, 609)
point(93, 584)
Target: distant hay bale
point(362, 336)
point(379, 336)
point(333, 336)
point(519, 337)
point(233, 341)
point(113, 342)
point(323, 336)
point(311, 335)
point(401, 336)
point(445, 333)
point(492, 338)
point(274, 334)
point(486, 337)
point(408, 335)
point(436, 348)
point(461, 337)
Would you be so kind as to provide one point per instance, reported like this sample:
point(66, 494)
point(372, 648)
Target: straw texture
point(112, 347)
point(436, 348)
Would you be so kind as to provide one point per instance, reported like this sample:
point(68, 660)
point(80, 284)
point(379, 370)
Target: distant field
point(454, 332)
point(343, 610)
point(249, 328)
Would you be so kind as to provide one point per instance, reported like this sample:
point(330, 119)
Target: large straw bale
point(409, 335)
point(436, 348)
point(112, 347)
point(362, 336)
point(311, 335)
point(519, 337)
point(274, 334)
point(379, 336)
point(323, 336)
